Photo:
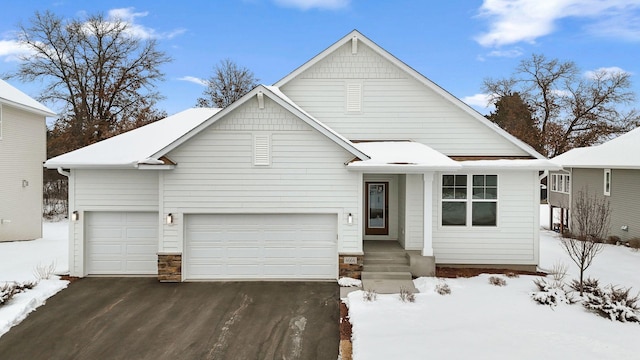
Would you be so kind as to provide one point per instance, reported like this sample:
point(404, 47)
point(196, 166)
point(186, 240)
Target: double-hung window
point(469, 199)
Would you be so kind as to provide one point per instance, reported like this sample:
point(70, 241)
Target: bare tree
point(97, 68)
point(228, 84)
point(590, 219)
point(572, 108)
point(99, 72)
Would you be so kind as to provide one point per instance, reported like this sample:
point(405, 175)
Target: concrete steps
point(386, 268)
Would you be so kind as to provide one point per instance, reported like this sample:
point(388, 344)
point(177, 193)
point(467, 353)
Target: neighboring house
point(287, 182)
point(610, 171)
point(23, 149)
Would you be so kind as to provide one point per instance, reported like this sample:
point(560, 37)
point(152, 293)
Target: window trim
point(607, 182)
point(469, 200)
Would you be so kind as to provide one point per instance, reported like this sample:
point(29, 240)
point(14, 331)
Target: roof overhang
point(401, 157)
point(510, 165)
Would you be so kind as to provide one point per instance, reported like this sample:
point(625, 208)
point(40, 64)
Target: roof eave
point(399, 169)
point(29, 108)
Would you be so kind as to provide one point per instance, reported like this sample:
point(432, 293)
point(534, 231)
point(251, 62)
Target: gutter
point(63, 173)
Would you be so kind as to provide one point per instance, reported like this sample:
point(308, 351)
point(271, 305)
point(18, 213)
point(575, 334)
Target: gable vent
point(262, 149)
point(354, 97)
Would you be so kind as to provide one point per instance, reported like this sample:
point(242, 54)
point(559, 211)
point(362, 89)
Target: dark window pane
point(461, 193)
point(491, 193)
point(447, 193)
point(478, 193)
point(454, 213)
point(461, 180)
point(483, 214)
point(478, 180)
point(447, 180)
point(492, 180)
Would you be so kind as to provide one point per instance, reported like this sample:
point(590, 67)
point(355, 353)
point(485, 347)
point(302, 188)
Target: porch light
point(169, 218)
point(349, 219)
point(75, 215)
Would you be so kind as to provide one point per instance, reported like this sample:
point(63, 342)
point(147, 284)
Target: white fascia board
point(510, 165)
point(29, 108)
point(399, 169)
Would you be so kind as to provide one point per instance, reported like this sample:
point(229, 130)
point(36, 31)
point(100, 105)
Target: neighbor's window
point(477, 193)
point(607, 182)
point(561, 183)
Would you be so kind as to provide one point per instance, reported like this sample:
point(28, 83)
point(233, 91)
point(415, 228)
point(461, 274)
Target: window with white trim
point(469, 199)
point(561, 183)
point(607, 182)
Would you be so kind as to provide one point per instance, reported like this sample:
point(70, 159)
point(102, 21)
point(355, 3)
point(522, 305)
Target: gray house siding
point(624, 199)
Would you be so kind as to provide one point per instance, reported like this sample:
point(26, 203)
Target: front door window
point(377, 219)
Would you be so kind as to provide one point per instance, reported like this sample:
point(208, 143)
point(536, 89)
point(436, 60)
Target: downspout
point(63, 173)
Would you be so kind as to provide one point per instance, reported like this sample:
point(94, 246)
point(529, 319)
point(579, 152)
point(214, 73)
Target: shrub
point(614, 303)
point(497, 281)
point(44, 271)
point(369, 295)
point(613, 240)
point(407, 295)
point(559, 272)
point(590, 286)
point(511, 275)
point(551, 294)
point(8, 290)
point(634, 243)
point(443, 288)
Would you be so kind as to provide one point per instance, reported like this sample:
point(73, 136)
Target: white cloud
point(194, 80)
point(513, 21)
point(510, 53)
point(11, 50)
point(604, 72)
point(129, 16)
point(480, 102)
point(310, 4)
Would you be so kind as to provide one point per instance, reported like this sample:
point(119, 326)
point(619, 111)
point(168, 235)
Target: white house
point(23, 149)
point(287, 182)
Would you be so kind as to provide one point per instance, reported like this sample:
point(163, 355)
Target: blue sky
point(455, 43)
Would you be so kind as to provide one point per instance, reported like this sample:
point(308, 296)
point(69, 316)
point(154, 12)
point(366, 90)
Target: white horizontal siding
point(515, 239)
point(116, 190)
point(394, 106)
point(22, 152)
point(215, 173)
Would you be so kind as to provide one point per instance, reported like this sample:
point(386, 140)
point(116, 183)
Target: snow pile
point(20, 259)
point(349, 282)
point(481, 321)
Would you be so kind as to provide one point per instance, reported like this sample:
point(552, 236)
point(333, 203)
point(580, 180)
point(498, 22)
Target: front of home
point(289, 181)
point(609, 172)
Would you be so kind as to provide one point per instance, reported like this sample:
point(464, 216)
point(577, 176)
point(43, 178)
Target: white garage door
point(121, 243)
point(261, 246)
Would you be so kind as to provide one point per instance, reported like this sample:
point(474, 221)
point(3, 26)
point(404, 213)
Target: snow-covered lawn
point(20, 259)
point(482, 321)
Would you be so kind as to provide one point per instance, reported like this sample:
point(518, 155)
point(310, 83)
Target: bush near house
point(634, 243)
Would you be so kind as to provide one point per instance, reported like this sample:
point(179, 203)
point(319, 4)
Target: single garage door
point(261, 246)
point(121, 243)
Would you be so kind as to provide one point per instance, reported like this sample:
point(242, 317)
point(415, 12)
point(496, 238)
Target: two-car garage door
point(260, 246)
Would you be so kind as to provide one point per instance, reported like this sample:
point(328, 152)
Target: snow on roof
point(16, 97)
point(619, 153)
point(136, 146)
point(510, 164)
point(401, 156)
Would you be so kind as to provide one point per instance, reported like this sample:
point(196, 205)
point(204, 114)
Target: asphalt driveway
point(139, 318)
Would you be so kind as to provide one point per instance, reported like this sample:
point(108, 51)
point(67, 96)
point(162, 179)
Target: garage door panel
point(254, 246)
point(121, 243)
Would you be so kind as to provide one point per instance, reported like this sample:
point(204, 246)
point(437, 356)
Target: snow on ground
point(482, 321)
point(20, 258)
